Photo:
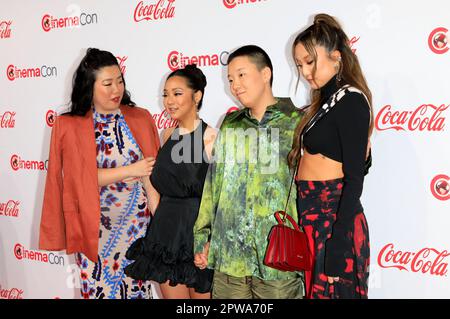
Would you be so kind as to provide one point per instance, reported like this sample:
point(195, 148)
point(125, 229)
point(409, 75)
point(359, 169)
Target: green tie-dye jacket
point(241, 194)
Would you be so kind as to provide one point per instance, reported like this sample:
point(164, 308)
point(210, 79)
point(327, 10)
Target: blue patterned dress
point(124, 216)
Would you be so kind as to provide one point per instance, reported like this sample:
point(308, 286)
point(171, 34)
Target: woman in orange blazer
point(98, 196)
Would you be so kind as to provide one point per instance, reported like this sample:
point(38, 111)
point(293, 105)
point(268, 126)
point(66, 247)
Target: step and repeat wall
point(403, 47)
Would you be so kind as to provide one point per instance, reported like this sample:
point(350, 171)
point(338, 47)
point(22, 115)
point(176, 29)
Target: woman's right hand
point(143, 167)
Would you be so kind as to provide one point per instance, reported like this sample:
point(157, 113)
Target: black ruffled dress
point(166, 251)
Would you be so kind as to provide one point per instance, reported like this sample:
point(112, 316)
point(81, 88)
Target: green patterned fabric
point(246, 183)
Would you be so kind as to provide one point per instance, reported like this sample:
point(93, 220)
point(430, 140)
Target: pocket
point(72, 219)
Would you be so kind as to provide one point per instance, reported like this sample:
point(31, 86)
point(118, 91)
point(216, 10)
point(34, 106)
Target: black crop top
point(342, 135)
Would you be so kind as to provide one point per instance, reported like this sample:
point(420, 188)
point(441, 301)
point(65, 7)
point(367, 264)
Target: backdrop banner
point(403, 48)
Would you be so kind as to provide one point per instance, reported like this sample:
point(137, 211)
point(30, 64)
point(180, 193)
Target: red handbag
point(287, 248)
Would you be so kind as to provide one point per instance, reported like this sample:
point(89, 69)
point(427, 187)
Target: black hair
point(84, 78)
point(257, 55)
point(195, 78)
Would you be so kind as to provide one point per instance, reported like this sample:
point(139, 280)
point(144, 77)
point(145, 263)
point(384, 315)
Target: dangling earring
point(338, 67)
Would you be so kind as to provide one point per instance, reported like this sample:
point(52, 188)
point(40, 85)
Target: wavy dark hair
point(328, 33)
point(195, 78)
point(257, 55)
point(84, 78)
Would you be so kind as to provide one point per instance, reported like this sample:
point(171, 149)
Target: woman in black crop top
point(165, 254)
point(330, 152)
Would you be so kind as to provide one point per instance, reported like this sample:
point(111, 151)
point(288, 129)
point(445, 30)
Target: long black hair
point(84, 78)
point(195, 78)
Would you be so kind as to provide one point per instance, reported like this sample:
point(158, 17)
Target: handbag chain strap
point(290, 189)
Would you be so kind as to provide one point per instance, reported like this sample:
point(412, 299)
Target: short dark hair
point(257, 55)
point(84, 79)
point(195, 78)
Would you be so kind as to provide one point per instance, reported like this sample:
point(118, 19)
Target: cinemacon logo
point(50, 22)
point(18, 163)
point(230, 4)
point(10, 208)
point(440, 187)
point(5, 29)
point(158, 10)
point(22, 253)
point(13, 293)
point(177, 60)
point(426, 117)
point(438, 40)
point(429, 261)
point(13, 72)
point(7, 119)
point(50, 118)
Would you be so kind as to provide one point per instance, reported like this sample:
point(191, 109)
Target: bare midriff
point(318, 167)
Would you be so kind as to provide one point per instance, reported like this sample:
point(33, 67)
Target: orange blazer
point(71, 209)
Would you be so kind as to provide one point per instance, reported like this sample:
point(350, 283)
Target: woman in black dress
point(165, 254)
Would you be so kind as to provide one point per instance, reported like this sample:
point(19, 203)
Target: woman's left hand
point(331, 280)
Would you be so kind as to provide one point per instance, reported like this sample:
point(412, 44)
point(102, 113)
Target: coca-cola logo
point(426, 261)
point(13, 293)
point(10, 208)
point(7, 119)
point(163, 120)
point(76, 20)
point(427, 117)
point(5, 29)
point(438, 40)
point(162, 9)
point(18, 163)
point(50, 117)
point(440, 187)
point(121, 60)
point(352, 43)
point(177, 60)
point(13, 72)
point(232, 109)
point(21, 253)
point(230, 4)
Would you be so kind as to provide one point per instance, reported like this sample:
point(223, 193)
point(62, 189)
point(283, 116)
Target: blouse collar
point(108, 117)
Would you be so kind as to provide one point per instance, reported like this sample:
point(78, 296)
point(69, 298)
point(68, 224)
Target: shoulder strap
point(326, 107)
point(290, 186)
point(204, 127)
